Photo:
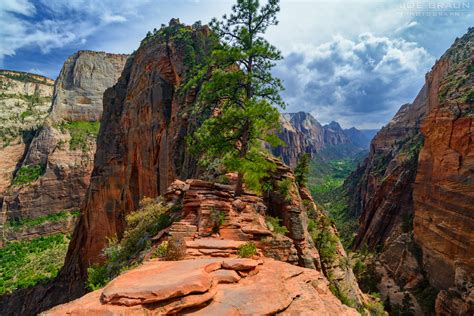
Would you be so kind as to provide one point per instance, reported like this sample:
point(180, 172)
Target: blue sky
point(353, 61)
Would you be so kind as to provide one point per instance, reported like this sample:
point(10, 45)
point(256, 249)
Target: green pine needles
point(239, 94)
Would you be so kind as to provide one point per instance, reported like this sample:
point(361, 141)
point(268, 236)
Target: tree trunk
point(239, 187)
point(243, 152)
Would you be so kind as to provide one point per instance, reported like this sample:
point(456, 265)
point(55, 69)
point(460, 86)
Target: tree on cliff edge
point(240, 93)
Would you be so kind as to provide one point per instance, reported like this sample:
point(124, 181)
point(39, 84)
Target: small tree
point(302, 169)
point(239, 94)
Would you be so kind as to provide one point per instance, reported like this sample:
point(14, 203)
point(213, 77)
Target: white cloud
point(69, 22)
point(355, 82)
point(23, 7)
point(109, 18)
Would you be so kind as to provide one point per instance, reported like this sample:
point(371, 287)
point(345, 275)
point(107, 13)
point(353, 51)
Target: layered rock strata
point(24, 102)
point(444, 188)
point(212, 287)
point(65, 145)
point(429, 140)
point(302, 133)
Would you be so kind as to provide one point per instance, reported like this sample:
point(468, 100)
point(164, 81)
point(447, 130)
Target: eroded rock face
point(141, 146)
point(302, 133)
point(386, 195)
point(24, 102)
point(444, 187)
point(194, 287)
point(65, 157)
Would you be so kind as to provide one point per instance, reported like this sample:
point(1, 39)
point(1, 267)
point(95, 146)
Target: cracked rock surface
point(211, 287)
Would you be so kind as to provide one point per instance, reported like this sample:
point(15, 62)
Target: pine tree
point(302, 169)
point(240, 94)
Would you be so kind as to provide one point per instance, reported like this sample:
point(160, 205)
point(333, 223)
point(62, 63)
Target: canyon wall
point(417, 181)
point(444, 187)
point(62, 151)
point(302, 133)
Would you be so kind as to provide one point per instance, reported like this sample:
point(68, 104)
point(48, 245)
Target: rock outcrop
point(24, 102)
point(212, 287)
point(383, 192)
point(64, 147)
point(213, 279)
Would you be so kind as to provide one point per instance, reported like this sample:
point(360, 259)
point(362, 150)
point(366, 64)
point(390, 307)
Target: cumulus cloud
point(356, 82)
point(58, 23)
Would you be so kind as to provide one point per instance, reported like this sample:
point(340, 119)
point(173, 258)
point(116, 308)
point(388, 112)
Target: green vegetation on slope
point(325, 183)
point(30, 222)
point(25, 77)
point(81, 132)
point(26, 263)
point(27, 174)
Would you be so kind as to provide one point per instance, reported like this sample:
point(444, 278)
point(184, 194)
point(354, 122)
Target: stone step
point(212, 243)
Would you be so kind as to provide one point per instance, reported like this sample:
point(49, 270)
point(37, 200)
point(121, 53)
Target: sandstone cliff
point(302, 133)
point(24, 102)
point(383, 192)
point(63, 148)
point(444, 188)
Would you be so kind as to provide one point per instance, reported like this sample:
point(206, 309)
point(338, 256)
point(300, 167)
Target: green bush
point(27, 174)
point(216, 219)
point(375, 308)
point(469, 99)
point(274, 225)
point(96, 277)
point(161, 250)
point(81, 132)
point(142, 225)
point(247, 250)
point(325, 241)
point(25, 263)
point(284, 188)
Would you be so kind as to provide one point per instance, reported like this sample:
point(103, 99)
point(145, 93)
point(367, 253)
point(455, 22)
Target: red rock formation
point(385, 194)
point(141, 147)
point(444, 187)
point(212, 287)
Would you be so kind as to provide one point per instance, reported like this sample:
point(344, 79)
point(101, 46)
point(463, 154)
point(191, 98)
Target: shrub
point(375, 308)
point(470, 97)
point(345, 263)
point(325, 241)
point(176, 249)
point(216, 219)
point(27, 174)
point(247, 250)
point(96, 277)
point(311, 225)
point(284, 188)
point(161, 250)
point(302, 169)
point(341, 295)
point(142, 225)
point(274, 225)
point(25, 263)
